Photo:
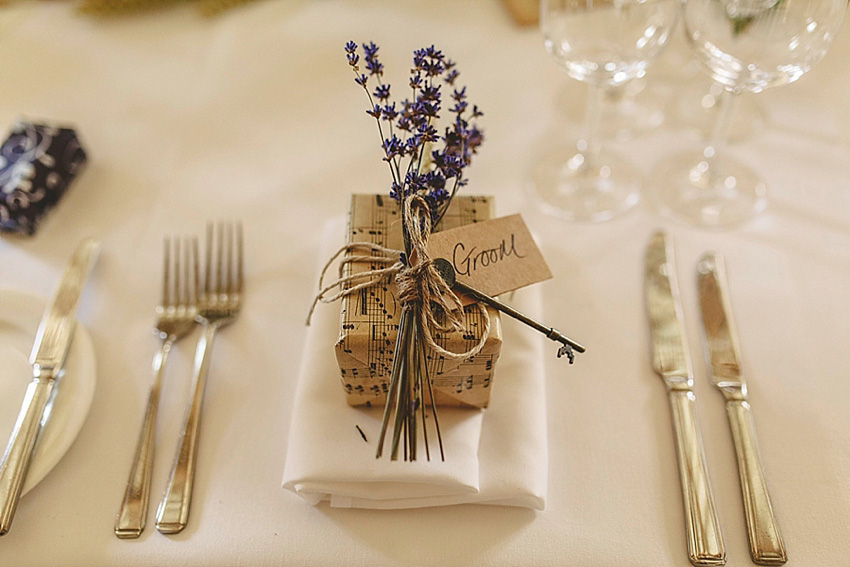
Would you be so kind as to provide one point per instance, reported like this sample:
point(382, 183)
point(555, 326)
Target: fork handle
point(173, 512)
point(134, 508)
point(766, 545)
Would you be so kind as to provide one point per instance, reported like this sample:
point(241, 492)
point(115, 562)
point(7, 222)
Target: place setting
point(62, 363)
point(419, 336)
point(571, 347)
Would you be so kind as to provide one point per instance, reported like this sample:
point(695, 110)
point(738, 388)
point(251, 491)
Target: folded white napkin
point(493, 456)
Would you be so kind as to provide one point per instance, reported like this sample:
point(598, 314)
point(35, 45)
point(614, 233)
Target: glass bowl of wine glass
point(746, 46)
point(605, 44)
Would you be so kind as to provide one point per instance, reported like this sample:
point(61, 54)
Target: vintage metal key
point(447, 272)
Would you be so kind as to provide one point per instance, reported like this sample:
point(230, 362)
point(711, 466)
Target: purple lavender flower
point(353, 58)
point(370, 55)
point(433, 161)
point(428, 133)
point(459, 107)
point(370, 49)
point(389, 112)
point(430, 93)
point(393, 147)
point(427, 109)
point(382, 92)
point(429, 60)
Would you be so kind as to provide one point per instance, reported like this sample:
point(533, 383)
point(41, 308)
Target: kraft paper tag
point(494, 256)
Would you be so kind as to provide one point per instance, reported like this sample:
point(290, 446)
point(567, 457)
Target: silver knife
point(52, 342)
point(766, 545)
point(670, 359)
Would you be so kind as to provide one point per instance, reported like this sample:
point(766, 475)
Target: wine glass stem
point(717, 139)
point(592, 118)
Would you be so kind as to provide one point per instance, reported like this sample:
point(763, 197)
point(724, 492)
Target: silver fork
point(219, 305)
point(175, 319)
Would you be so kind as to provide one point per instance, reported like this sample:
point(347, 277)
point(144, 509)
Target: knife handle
point(766, 545)
point(705, 543)
point(16, 460)
point(173, 512)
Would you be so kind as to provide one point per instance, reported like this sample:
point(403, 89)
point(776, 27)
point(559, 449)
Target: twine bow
point(416, 279)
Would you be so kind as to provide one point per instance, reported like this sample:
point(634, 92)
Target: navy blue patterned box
point(37, 164)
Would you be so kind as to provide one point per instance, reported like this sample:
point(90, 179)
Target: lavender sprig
point(422, 160)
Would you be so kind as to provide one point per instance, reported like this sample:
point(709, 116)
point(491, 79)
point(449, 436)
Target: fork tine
point(239, 257)
point(196, 268)
point(219, 265)
point(176, 295)
point(229, 268)
point(187, 274)
point(208, 265)
point(165, 270)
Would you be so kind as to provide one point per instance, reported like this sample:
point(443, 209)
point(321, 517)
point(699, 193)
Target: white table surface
point(255, 115)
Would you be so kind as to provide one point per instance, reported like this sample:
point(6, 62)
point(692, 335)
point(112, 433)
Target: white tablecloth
point(255, 115)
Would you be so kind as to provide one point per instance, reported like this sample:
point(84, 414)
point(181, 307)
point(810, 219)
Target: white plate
point(20, 314)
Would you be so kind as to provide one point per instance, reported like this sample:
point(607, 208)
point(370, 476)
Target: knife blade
point(766, 544)
point(49, 351)
point(671, 361)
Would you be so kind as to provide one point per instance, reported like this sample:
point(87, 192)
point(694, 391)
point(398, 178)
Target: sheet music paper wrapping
point(369, 318)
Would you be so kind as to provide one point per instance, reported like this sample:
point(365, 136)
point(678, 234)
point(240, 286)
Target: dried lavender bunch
point(427, 171)
point(408, 128)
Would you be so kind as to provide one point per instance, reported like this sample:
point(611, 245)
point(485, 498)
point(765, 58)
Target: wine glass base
point(574, 191)
point(723, 194)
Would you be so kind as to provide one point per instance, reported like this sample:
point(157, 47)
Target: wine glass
point(747, 46)
point(604, 43)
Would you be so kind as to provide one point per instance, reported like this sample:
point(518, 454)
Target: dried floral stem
point(424, 365)
point(422, 378)
point(406, 395)
point(394, 379)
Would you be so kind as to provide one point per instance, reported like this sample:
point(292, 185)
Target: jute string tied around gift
point(417, 280)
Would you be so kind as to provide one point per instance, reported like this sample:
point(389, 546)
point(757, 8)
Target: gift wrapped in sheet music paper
point(370, 317)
